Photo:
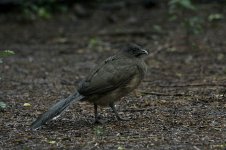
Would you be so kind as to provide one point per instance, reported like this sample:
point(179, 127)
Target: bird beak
point(144, 51)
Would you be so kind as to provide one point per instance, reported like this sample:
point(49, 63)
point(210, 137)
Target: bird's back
point(110, 74)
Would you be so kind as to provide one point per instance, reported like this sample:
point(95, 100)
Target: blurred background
point(48, 46)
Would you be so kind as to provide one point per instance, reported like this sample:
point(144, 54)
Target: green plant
point(174, 5)
point(185, 12)
point(193, 25)
point(6, 53)
point(2, 106)
point(99, 131)
point(3, 54)
point(41, 8)
point(157, 28)
point(214, 17)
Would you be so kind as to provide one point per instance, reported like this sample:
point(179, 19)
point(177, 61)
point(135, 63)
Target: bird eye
point(134, 49)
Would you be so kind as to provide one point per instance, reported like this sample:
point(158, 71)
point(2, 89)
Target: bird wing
point(108, 76)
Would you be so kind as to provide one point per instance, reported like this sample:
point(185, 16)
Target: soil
point(182, 103)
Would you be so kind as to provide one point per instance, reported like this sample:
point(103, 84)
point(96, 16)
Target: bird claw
point(98, 121)
point(123, 119)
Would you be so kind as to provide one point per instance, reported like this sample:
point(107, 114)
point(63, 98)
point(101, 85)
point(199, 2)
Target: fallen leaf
point(121, 148)
point(51, 142)
point(27, 104)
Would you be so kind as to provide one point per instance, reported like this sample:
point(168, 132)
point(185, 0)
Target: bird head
point(133, 50)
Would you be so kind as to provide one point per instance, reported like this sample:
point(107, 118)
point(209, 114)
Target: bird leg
point(97, 117)
point(96, 113)
point(116, 113)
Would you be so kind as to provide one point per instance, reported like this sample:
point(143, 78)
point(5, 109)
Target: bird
point(106, 84)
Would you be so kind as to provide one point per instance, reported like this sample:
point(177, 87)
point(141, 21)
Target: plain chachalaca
point(107, 83)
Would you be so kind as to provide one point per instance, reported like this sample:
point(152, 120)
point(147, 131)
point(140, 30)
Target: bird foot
point(98, 121)
point(122, 119)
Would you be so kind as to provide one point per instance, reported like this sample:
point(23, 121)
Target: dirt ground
point(183, 95)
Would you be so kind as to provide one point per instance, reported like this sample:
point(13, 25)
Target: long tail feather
point(55, 110)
